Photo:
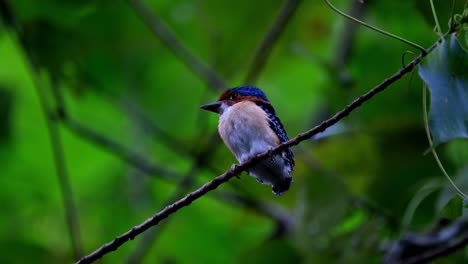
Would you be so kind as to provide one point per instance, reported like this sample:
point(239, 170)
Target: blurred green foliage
point(351, 189)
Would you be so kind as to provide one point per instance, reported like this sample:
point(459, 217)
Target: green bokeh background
point(111, 68)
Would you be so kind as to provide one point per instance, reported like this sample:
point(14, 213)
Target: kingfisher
point(249, 126)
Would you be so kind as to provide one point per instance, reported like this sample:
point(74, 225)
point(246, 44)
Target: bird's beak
point(213, 107)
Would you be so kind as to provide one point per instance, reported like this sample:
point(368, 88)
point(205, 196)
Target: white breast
point(245, 130)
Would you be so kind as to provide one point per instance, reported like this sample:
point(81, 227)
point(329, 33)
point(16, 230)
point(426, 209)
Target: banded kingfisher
point(249, 126)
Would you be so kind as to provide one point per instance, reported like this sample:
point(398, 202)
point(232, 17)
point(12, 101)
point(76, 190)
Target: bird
point(248, 125)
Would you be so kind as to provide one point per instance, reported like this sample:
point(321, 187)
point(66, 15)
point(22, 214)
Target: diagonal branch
point(184, 185)
point(415, 248)
point(438, 252)
point(263, 52)
point(237, 169)
point(162, 31)
point(120, 151)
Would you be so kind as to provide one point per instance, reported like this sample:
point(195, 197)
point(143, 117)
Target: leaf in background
point(445, 72)
point(453, 209)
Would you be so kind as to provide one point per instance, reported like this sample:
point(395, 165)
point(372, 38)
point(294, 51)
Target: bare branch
point(185, 184)
point(162, 31)
point(423, 248)
point(237, 169)
point(263, 52)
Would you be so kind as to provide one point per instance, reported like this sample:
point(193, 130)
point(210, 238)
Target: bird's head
point(235, 95)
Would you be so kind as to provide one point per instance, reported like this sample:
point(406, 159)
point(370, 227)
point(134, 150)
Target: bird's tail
point(281, 187)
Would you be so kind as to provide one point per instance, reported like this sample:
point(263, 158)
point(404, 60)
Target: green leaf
point(351, 223)
point(445, 72)
point(453, 209)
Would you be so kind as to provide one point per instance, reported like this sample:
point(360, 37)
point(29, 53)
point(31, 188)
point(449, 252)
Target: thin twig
point(162, 31)
point(120, 151)
point(434, 152)
point(375, 28)
point(62, 174)
point(237, 169)
point(263, 52)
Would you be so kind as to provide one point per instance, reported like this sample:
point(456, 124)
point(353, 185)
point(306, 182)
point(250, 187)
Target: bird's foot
point(233, 168)
point(269, 151)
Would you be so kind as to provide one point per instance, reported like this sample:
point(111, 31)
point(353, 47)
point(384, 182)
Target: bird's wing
point(277, 126)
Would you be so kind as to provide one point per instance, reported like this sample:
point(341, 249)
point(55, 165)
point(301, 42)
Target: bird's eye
point(233, 96)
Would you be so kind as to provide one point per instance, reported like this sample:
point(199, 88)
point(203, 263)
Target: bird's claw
point(269, 151)
point(233, 168)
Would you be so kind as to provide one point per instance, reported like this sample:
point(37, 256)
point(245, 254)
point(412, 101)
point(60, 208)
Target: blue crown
point(250, 90)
